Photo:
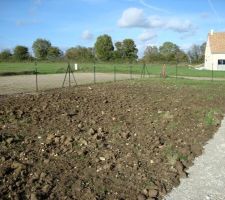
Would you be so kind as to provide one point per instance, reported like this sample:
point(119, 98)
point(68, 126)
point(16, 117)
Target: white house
point(215, 51)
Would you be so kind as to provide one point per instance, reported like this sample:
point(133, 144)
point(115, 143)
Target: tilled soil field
point(124, 140)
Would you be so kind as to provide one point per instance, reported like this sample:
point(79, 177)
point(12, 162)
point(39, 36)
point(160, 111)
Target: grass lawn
point(60, 67)
point(180, 82)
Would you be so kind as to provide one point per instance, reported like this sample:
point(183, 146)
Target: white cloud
point(136, 18)
point(185, 47)
point(155, 22)
point(180, 26)
point(186, 35)
point(87, 35)
point(146, 36)
point(143, 45)
point(133, 17)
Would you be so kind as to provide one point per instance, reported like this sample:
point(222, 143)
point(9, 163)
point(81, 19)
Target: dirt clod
point(152, 193)
point(141, 197)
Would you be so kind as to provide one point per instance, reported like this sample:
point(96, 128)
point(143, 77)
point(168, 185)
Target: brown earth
point(124, 140)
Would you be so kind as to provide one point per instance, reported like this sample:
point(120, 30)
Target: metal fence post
point(176, 69)
point(114, 73)
point(131, 72)
point(36, 74)
point(69, 74)
point(212, 73)
point(94, 73)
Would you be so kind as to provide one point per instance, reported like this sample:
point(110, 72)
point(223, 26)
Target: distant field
point(60, 67)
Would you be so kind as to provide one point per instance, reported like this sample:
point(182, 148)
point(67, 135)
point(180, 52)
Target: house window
point(221, 62)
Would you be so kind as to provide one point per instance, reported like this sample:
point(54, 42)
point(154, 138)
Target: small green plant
point(183, 157)
point(172, 155)
point(172, 125)
point(210, 97)
point(149, 182)
point(80, 157)
point(116, 128)
point(211, 117)
point(76, 145)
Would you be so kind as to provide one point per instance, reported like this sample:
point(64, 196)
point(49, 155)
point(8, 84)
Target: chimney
point(211, 32)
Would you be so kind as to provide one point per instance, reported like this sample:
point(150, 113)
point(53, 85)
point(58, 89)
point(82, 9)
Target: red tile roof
point(217, 42)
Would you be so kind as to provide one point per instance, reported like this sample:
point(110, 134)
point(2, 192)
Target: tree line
point(104, 50)
point(170, 52)
point(43, 50)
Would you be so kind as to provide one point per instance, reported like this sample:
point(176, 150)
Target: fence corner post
point(114, 73)
point(94, 73)
point(36, 79)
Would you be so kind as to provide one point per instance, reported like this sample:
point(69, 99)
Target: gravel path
point(207, 176)
point(26, 83)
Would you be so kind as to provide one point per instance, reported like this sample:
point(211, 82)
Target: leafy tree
point(168, 51)
point(126, 50)
point(197, 53)
point(40, 48)
point(71, 53)
point(54, 53)
point(118, 53)
point(203, 47)
point(21, 53)
point(104, 48)
point(181, 56)
point(129, 49)
point(194, 53)
point(80, 54)
point(151, 54)
point(5, 55)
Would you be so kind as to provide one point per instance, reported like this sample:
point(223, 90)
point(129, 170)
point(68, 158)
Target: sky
point(68, 23)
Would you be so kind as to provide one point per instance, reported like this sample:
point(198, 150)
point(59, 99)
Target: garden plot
point(124, 140)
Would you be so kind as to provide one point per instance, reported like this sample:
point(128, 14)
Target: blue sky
point(68, 23)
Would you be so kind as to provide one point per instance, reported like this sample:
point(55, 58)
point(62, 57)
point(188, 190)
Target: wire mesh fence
point(41, 76)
